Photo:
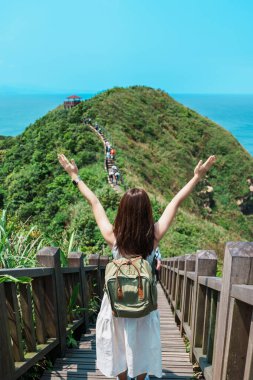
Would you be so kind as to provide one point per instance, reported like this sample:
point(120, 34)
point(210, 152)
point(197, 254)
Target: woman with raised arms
point(131, 345)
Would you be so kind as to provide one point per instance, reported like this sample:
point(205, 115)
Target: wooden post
point(190, 261)
point(212, 322)
point(171, 266)
point(14, 321)
point(207, 318)
point(167, 263)
point(38, 292)
point(75, 259)
point(50, 257)
point(103, 261)
point(7, 368)
point(164, 272)
point(206, 265)
point(173, 283)
point(28, 325)
point(248, 373)
point(237, 269)
point(94, 260)
point(161, 272)
point(178, 293)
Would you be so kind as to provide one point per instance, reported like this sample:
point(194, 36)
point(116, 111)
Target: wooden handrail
point(34, 317)
point(215, 313)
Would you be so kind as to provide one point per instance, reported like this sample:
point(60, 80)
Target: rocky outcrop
point(246, 202)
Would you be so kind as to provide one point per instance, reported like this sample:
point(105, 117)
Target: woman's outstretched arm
point(169, 213)
point(103, 222)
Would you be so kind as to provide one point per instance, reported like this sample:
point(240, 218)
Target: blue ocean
point(233, 112)
point(19, 111)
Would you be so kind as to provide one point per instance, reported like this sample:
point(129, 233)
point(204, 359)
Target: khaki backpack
point(131, 287)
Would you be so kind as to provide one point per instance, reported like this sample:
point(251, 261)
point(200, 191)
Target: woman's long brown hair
point(134, 224)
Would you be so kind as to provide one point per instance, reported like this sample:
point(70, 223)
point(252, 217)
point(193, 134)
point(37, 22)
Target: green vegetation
point(19, 243)
point(158, 143)
point(34, 187)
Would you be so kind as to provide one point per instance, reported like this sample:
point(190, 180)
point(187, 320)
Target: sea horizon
point(234, 112)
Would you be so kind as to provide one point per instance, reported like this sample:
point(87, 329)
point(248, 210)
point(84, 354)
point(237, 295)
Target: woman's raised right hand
point(69, 166)
point(201, 168)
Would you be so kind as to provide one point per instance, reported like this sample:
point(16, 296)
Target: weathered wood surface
point(81, 363)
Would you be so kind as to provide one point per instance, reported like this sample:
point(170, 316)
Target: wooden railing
point(215, 314)
point(35, 319)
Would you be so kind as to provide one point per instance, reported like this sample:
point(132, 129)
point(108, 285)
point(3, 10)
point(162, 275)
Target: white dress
point(128, 343)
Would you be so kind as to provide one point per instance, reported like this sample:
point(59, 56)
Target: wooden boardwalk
point(80, 363)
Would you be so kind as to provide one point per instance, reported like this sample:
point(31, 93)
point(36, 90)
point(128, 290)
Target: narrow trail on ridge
point(110, 162)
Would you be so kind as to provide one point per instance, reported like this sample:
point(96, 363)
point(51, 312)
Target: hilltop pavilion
point(72, 101)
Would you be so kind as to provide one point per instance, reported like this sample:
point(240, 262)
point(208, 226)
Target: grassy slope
point(158, 143)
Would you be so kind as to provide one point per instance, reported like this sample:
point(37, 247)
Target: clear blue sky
point(181, 46)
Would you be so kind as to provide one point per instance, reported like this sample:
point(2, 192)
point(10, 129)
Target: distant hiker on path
point(111, 175)
point(117, 177)
point(131, 345)
point(113, 152)
point(107, 147)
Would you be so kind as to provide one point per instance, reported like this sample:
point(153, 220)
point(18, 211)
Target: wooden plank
point(51, 323)
point(170, 277)
point(68, 288)
point(70, 270)
point(212, 324)
point(75, 259)
point(27, 316)
point(206, 328)
point(39, 309)
point(248, 372)
point(211, 353)
point(243, 293)
point(90, 268)
point(200, 313)
point(6, 354)
point(189, 321)
point(29, 272)
point(211, 282)
point(174, 276)
point(206, 367)
point(179, 282)
point(166, 280)
point(14, 321)
point(191, 276)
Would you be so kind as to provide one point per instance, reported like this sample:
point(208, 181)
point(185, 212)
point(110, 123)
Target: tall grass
point(18, 244)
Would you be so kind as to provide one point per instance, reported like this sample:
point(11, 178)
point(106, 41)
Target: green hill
point(158, 143)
